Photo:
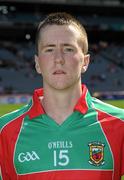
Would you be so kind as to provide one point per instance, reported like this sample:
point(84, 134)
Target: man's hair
point(62, 18)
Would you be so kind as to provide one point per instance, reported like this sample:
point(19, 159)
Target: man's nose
point(59, 58)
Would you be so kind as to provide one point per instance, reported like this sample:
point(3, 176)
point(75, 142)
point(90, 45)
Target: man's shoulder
point(108, 109)
point(9, 117)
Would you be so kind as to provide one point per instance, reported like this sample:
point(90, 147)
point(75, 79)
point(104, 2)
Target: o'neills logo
point(96, 153)
point(28, 156)
point(60, 145)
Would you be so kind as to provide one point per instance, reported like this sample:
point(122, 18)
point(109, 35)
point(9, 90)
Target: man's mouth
point(59, 72)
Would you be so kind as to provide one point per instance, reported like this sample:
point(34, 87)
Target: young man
point(63, 133)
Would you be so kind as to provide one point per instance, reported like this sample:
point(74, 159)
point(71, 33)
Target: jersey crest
point(96, 153)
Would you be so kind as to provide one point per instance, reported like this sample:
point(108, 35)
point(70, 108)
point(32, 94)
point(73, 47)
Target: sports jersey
point(89, 144)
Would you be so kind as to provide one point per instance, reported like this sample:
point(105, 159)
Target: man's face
point(60, 57)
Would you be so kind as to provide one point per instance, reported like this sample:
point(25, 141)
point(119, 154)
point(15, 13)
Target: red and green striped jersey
point(89, 144)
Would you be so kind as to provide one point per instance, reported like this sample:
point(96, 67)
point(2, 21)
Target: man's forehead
point(59, 34)
point(54, 27)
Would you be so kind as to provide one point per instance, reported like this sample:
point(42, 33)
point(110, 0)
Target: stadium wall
point(15, 99)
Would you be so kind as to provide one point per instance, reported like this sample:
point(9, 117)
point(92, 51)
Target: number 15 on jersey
point(61, 158)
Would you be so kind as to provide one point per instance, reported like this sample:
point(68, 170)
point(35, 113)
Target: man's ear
point(37, 65)
point(86, 63)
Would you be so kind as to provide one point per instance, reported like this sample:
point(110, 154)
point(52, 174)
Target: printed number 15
point(62, 158)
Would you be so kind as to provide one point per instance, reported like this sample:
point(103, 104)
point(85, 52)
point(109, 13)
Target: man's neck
point(60, 104)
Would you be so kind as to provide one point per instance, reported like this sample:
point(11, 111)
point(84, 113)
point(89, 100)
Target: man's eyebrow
point(53, 45)
point(48, 45)
point(66, 44)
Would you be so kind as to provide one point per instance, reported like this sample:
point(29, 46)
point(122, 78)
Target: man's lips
point(58, 72)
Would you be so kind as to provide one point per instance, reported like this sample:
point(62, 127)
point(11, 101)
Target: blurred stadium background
point(104, 22)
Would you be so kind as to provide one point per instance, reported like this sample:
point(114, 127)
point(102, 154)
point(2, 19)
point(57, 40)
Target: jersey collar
point(83, 104)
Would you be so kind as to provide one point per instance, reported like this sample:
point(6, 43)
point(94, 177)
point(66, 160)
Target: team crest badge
point(96, 152)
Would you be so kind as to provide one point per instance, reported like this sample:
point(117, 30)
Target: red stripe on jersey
point(69, 175)
point(114, 131)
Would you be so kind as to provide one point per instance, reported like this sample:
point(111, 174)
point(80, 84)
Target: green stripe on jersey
point(109, 109)
point(88, 100)
point(7, 118)
point(44, 145)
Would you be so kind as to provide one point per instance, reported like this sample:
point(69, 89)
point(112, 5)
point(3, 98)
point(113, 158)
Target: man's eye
point(68, 49)
point(48, 50)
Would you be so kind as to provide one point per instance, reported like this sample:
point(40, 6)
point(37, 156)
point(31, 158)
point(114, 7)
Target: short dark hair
point(62, 18)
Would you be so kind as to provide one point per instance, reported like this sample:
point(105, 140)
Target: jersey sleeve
point(8, 136)
point(2, 165)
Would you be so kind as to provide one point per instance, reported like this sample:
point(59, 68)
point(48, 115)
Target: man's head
point(62, 18)
point(62, 47)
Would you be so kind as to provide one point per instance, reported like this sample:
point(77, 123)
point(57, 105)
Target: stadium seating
point(18, 72)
